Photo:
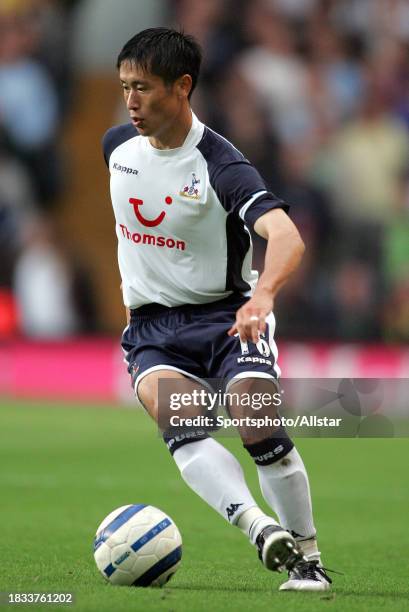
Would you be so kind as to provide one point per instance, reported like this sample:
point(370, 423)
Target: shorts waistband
point(148, 311)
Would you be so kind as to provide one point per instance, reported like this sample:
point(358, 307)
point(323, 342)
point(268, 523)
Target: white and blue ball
point(137, 545)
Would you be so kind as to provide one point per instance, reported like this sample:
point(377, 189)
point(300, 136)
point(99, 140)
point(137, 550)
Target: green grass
point(64, 468)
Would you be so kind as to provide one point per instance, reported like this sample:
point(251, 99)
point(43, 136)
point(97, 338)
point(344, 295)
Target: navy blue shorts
point(193, 340)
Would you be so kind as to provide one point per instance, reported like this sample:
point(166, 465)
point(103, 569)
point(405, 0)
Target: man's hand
point(251, 318)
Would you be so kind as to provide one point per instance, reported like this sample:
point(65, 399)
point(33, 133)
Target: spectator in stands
point(274, 71)
point(368, 154)
point(336, 67)
point(52, 26)
point(28, 102)
point(357, 301)
point(246, 124)
point(371, 20)
point(42, 285)
point(53, 293)
point(307, 301)
point(297, 10)
point(214, 24)
point(16, 203)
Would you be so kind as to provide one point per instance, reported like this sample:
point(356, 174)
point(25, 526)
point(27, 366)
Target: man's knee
point(161, 393)
point(148, 395)
point(148, 391)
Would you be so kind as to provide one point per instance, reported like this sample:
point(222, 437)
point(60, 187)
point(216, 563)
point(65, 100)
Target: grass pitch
point(63, 468)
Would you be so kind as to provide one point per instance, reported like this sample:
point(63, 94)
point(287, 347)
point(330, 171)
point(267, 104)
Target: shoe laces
point(308, 570)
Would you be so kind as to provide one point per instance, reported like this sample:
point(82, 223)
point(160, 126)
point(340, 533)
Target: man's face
point(153, 105)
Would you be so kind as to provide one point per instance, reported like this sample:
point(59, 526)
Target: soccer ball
point(137, 545)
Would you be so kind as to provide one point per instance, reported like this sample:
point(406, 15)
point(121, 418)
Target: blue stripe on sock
point(120, 520)
point(159, 568)
point(150, 534)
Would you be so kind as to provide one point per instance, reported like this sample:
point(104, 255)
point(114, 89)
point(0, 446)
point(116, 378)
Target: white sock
point(310, 549)
point(252, 521)
point(216, 476)
point(285, 487)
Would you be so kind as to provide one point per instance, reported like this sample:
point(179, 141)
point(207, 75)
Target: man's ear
point(184, 85)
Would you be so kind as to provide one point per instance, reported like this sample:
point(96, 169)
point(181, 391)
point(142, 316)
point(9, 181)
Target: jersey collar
point(192, 139)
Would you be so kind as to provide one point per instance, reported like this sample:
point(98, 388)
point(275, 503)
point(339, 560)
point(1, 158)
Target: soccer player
point(184, 198)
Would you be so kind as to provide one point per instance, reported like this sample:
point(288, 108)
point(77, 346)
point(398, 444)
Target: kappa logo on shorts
point(263, 348)
point(254, 360)
point(190, 191)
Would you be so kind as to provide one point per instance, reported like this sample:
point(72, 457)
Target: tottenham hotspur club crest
point(191, 191)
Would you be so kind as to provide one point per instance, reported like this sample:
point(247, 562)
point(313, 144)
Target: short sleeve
point(241, 190)
point(260, 206)
point(238, 186)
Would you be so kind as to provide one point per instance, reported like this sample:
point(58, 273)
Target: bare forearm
point(284, 250)
point(283, 256)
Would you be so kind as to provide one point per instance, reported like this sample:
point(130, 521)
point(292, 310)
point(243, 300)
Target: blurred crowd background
point(315, 93)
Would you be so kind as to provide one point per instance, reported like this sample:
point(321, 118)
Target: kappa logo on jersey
point(124, 169)
point(191, 191)
point(148, 222)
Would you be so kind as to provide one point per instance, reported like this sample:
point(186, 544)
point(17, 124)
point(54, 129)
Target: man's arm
point(284, 251)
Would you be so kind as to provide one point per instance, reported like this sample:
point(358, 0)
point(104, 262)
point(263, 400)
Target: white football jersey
point(182, 216)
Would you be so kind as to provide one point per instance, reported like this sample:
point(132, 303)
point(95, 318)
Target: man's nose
point(132, 100)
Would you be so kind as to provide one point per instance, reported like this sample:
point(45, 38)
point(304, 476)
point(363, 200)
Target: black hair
point(165, 53)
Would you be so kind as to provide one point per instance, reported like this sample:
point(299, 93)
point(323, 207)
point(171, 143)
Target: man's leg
point(216, 476)
point(282, 475)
